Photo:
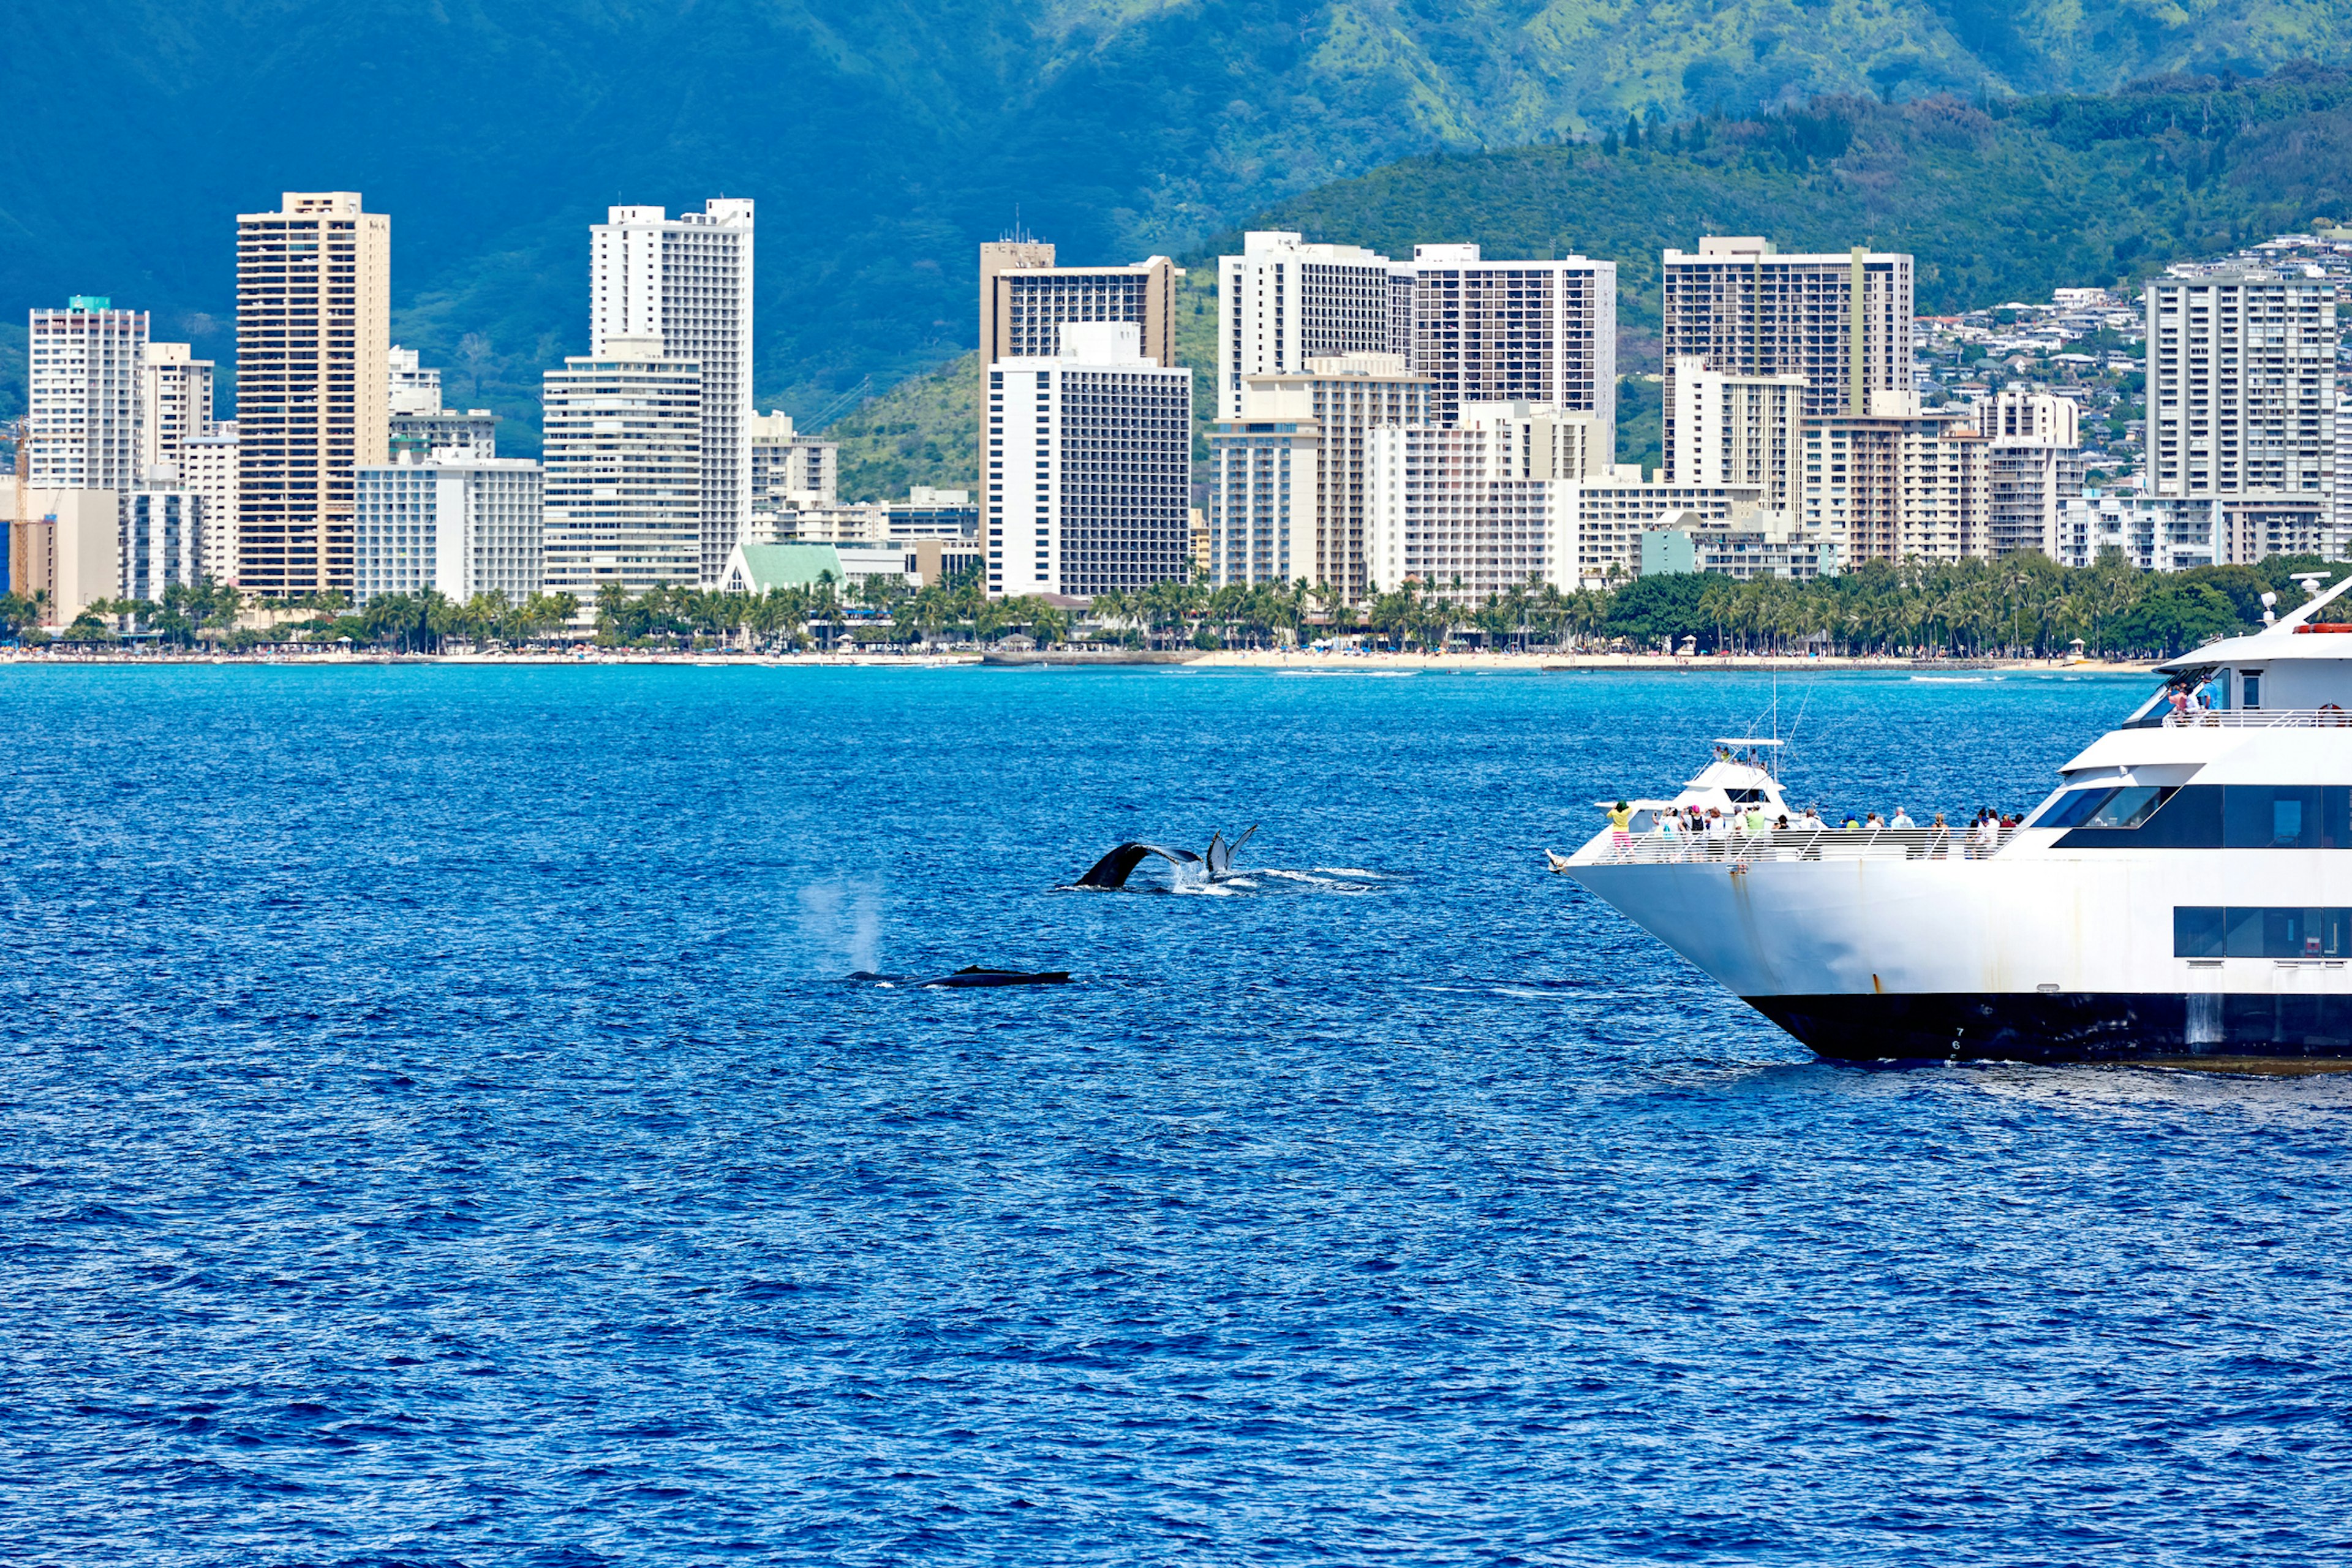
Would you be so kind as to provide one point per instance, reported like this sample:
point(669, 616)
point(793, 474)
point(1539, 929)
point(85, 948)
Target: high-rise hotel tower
point(313, 333)
point(685, 281)
point(85, 396)
point(1842, 321)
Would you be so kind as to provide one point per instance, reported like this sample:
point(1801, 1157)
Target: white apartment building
point(2034, 468)
point(1686, 543)
point(1735, 429)
point(1516, 332)
point(421, 426)
point(789, 469)
point(686, 283)
point(313, 346)
point(410, 387)
point(1603, 520)
point(1897, 488)
point(1264, 500)
point(1842, 321)
point(159, 543)
point(208, 466)
point(625, 476)
point(1283, 302)
point(815, 522)
point(87, 363)
point(931, 512)
point(175, 403)
point(2153, 535)
point(1478, 508)
point(2241, 405)
point(461, 526)
point(1344, 398)
point(445, 433)
point(1089, 457)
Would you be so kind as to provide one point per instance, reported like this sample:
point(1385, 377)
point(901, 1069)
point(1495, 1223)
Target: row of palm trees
point(2020, 605)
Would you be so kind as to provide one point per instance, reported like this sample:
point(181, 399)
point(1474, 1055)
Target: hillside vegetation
point(883, 142)
point(2003, 199)
point(2000, 200)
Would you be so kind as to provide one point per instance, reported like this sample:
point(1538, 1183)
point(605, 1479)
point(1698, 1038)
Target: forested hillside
point(883, 142)
point(2003, 199)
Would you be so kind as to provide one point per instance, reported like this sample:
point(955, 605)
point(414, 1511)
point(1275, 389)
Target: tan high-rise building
point(1260, 530)
point(1897, 488)
point(1515, 332)
point(313, 348)
point(1842, 321)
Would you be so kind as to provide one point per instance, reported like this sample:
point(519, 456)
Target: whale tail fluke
point(1222, 853)
point(1114, 869)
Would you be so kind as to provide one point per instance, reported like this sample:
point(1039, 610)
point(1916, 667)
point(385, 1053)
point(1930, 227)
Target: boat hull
point(2271, 1032)
point(2018, 958)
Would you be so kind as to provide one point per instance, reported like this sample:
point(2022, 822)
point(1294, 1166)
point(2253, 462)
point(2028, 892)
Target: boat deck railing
point(1797, 844)
point(2250, 719)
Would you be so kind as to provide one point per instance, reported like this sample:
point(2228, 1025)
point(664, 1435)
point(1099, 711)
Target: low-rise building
point(1779, 549)
point(929, 512)
point(1481, 507)
point(159, 543)
point(790, 470)
point(2153, 534)
point(461, 526)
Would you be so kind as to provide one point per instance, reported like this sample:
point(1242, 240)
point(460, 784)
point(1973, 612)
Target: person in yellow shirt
point(1620, 825)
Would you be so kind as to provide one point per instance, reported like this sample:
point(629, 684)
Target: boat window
point(2216, 817)
point(2189, 818)
point(2251, 685)
point(2246, 931)
point(2073, 808)
point(1741, 796)
point(2287, 816)
point(2128, 807)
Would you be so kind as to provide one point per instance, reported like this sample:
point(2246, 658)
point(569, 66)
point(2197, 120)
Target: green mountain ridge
point(884, 142)
point(1999, 200)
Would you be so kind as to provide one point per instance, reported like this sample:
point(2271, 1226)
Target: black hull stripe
point(2076, 1027)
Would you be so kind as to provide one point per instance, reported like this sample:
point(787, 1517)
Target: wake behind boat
point(2185, 894)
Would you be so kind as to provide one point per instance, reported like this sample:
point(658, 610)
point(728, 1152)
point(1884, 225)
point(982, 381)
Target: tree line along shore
point(2021, 607)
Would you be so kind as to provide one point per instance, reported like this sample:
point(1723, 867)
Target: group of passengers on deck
point(1712, 829)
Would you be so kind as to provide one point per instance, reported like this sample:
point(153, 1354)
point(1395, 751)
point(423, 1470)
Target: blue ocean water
point(437, 1129)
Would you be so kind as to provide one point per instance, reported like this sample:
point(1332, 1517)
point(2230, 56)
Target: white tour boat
point(2184, 895)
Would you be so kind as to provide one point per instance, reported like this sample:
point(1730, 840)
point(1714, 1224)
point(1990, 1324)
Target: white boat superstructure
point(2186, 892)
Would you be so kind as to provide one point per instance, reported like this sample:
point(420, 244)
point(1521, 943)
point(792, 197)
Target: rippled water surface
point(437, 1129)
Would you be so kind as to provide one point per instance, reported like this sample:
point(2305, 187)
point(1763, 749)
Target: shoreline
point(1276, 661)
